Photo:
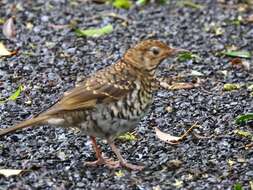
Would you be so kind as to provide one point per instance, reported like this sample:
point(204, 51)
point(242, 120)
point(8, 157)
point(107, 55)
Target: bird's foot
point(117, 164)
point(98, 162)
point(113, 164)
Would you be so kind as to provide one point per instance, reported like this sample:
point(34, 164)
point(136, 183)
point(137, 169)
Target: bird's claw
point(99, 161)
point(114, 164)
point(117, 164)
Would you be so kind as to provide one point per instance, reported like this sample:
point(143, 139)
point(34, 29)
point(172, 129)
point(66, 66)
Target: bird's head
point(147, 55)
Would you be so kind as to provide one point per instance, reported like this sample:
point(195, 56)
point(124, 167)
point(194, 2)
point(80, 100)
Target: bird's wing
point(95, 90)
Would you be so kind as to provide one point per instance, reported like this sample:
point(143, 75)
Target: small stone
point(169, 109)
point(174, 164)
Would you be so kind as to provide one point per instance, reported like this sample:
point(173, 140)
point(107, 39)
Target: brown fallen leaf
point(249, 146)
point(238, 62)
point(10, 172)
point(4, 52)
point(170, 138)
point(9, 30)
point(181, 85)
point(202, 137)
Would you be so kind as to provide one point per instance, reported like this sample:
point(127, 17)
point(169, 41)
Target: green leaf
point(95, 32)
point(244, 118)
point(14, 95)
point(2, 21)
point(162, 2)
point(230, 87)
point(242, 54)
point(237, 21)
point(237, 186)
point(127, 137)
point(188, 3)
point(182, 57)
point(122, 4)
point(243, 133)
point(144, 2)
point(141, 2)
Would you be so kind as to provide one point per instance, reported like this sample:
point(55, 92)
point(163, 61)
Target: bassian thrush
point(111, 101)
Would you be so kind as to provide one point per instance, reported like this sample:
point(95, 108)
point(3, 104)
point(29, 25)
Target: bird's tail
point(27, 123)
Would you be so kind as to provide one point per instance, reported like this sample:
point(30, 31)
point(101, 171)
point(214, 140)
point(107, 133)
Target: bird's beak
point(175, 51)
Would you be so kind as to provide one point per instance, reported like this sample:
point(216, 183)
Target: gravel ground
point(52, 59)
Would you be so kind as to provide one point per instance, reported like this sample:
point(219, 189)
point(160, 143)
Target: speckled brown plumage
point(110, 102)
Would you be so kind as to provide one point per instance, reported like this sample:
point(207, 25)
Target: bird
point(109, 102)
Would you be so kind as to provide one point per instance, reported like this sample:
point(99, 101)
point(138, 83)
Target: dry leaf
point(166, 137)
point(164, 84)
point(10, 172)
point(248, 146)
point(9, 29)
point(169, 85)
point(4, 51)
point(181, 85)
point(178, 85)
point(242, 7)
point(172, 139)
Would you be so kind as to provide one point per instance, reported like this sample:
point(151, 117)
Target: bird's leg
point(109, 162)
point(121, 162)
point(100, 160)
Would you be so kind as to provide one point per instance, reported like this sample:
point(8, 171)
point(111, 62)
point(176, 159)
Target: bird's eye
point(155, 50)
